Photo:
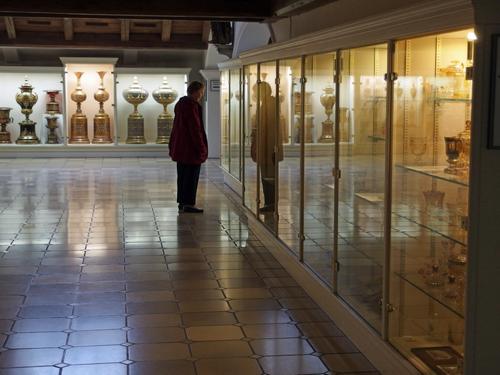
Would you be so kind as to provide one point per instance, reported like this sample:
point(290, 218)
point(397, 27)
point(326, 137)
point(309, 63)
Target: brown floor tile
point(191, 275)
point(59, 311)
point(154, 320)
point(221, 349)
point(141, 286)
point(152, 308)
point(262, 317)
point(194, 284)
point(95, 354)
point(226, 265)
point(289, 292)
point(104, 369)
point(103, 309)
point(298, 303)
point(158, 352)
point(242, 283)
point(288, 346)
point(145, 276)
point(110, 286)
point(189, 266)
point(163, 368)
point(214, 333)
point(30, 357)
point(319, 329)
point(313, 315)
point(354, 362)
point(146, 268)
point(30, 371)
point(247, 293)
point(203, 294)
point(11, 301)
point(254, 304)
point(208, 318)
point(116, 297)
point(287, 365)
point(279, 282)
point(150, 296)
point(101, 337)
point(271, 331)
point(156, 335)
point(332, 345)
point(230, 274)
point(203, 306)
point(6, 325)
point(97, 323)
point(3, 338)
point(41, 325)
point(36, 340)
point(228, 366)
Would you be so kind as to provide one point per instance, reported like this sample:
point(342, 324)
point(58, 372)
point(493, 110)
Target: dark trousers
point(187, 183)
point(268, 190)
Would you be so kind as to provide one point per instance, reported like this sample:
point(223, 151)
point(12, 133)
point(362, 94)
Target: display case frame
point(323, 42)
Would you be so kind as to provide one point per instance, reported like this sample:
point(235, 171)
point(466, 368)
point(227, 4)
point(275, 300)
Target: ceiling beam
point(125, 30)
point(10, 27)
point(206, 31)
point(130, 56)
point(166, 30)
point(68, 29)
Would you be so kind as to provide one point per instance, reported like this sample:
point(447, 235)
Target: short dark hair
point(194, 86)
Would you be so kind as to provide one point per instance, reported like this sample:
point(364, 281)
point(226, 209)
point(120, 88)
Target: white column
point(212, 111)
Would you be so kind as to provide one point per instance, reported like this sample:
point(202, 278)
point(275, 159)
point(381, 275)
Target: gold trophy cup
point(53, 105)
point(454, 148)
point(79, 128)
point(26, 98)
point(102, 122)
point(52, 137)
point(4, 120)
point(164, 95)
point(135, 95)
point(327, 100)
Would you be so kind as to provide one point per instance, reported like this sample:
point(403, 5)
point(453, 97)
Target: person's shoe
point(181, 208)
point(266, 209)
point(193, 209)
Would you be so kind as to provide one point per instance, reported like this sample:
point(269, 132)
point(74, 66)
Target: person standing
point(188, 146)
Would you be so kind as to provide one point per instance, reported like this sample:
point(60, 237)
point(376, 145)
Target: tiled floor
point(99, 274)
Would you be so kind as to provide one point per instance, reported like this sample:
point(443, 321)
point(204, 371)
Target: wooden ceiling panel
point(187, 27)
point(145, 27)
point(96, 25)
point(38, 24)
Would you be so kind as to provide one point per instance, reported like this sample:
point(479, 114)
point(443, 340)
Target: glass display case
point(83, 104)
point(225, 107)
point(357, 160)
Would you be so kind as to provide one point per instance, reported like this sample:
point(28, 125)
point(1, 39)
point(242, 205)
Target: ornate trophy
point(164, 95)
point(327, 100)
point(26, 98)
point(453, 151)
point(52, 109)
point(135, 95)
point(102, 122)
point(52, 137)
point(52, 105)
point(79, 128)
point(4, 120)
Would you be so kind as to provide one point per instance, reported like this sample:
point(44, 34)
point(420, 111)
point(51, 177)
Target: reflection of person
point(188, 146)
point(269, 136)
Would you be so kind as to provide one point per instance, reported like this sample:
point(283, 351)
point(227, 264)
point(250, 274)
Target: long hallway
point(100, 275)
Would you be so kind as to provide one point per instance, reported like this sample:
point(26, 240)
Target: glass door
point(250, 137)
point(362, 121)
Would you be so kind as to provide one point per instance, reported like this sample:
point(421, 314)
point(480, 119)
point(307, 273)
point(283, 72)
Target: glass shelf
point(437, 172)
point(436, 293)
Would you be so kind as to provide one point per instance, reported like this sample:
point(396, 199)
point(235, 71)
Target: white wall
point(212, 113)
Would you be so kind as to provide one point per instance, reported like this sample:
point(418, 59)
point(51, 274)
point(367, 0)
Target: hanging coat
point(188, 140)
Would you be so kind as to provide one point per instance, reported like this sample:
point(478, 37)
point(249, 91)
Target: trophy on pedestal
point(453, 151)
point(135, 95)
point(102, 122)
point(79, 128)
point(53, 110)
point(327, 100)
point(52, 125)
point(26, 98)
point(465, 140)
point(4, 120)
point(164, 95)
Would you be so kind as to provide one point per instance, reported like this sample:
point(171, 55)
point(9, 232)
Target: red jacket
point(188, 140)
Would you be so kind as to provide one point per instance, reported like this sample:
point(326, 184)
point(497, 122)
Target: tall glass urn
point(4, 120)
point(79, 128)
point(164, 95)
point(26, 98)
point(135, 95)
point(102, 122)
